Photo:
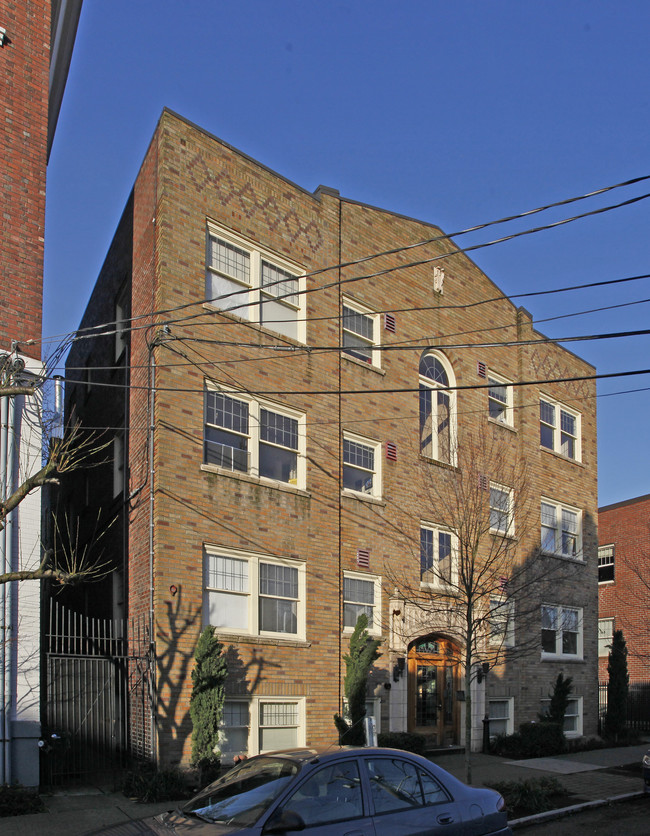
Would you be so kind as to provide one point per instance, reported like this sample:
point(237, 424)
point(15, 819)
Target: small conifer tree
point(206, 703)
point(559, 700)
point(617, 688)
point(363, 652)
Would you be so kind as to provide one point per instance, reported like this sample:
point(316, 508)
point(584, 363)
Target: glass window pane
point(278, 580)
point(228, 610)
point(394, 785)
point(356, 589)
point(547, 413)
point(433, 792)
point(278, 615)
point(277, 282)
point(229, 259)
point(357, 480)
point(351, 613)
point(272, 739)
point(432, 368)
point(279, 429)
point(331, 794)
point(359, 455)
point(227, 412)
point(278, 463)
point(228, 573)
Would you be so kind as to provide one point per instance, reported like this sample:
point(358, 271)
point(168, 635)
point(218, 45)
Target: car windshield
point(242, 795)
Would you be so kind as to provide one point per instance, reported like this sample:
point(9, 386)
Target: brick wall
point(626, 526)
point(189, 178)
point(24, 68)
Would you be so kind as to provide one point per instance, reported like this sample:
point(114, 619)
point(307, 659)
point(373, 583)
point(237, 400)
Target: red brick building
point(36, 39)
point(624, 582)
point(295, 384)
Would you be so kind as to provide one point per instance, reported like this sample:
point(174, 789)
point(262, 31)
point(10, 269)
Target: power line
point(79, 334)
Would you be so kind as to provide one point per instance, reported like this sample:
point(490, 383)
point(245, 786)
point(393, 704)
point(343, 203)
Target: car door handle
point(445, 818)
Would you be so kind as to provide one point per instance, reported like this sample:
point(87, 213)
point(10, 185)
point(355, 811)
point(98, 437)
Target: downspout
point(6, 546)
point(152, 397)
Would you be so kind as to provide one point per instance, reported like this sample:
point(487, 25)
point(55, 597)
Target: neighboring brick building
point(284, 412)
point(624, 583)
point(36, 39)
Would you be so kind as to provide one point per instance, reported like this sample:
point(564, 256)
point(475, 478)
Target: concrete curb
point(560, 812)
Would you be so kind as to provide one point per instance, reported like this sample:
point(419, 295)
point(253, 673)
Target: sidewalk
point(584, 774)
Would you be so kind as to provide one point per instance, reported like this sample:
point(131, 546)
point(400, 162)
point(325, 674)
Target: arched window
point(437, 408)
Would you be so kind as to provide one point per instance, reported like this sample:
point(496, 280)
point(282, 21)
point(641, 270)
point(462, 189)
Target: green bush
point(533, 795)
point(408, 741)
point(533, 740)
point(17, 801)
point(148, 784)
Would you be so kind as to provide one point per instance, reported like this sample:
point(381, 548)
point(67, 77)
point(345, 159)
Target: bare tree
point(474, 577)
point(68, 561)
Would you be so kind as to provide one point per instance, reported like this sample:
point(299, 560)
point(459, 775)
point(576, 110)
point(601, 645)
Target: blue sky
point(455, 113)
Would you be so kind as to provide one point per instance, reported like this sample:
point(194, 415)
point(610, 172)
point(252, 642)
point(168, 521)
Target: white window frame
point(574, 703)
point(509, 718)
point(369, 344)
point(374, 629)
point(251, 595)
point(557, 442)
point(435, 579)
point(255, 705)
point(605, 635)
point(558, 653)
point(559, 529)
point(254, 440)
point(248, 304)
point(607, 559)
point(509, 529)
point(426, 383)
point(502, 612)
point(375, 490)
point(506, 414)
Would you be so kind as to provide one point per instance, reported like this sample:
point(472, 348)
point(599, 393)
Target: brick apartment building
point(624, 583)
point(277, 413)
point(36, 39)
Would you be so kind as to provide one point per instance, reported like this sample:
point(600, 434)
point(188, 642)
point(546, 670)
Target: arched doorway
point(433, 673)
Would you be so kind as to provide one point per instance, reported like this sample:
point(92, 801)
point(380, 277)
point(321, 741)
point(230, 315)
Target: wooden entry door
point(432, 690)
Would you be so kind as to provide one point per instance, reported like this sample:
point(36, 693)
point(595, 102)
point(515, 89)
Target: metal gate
point(99, 697)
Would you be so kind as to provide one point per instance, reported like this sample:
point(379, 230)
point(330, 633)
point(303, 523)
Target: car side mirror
point(284, 821)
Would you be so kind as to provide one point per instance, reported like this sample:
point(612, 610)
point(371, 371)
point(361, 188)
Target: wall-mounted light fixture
point(483, 672)
point(398, 668)
point(173, 589)
point(3, 35)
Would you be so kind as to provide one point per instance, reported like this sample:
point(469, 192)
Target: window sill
point(561, 456)
point(362, 363)
point(246, 638)
point(562, 657)
point(606, 583)
point(503, 424)
point(438, 463)
point(254, 480)
point(363, 497)
point(347, 631)
point(579, 561)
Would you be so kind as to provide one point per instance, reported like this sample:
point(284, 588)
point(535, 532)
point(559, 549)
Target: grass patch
point(17, 801)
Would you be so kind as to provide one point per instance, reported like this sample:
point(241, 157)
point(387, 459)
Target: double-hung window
point(254, 283)
point(361, 465)
point(501, 510)
point(501, 623)
point(261, 724)
point(437, 556)
point(561, 530)
point(605, 563)
point(559, 429)
point(244, 435)
point(561, 631)
point(361, 596)
point(605, 635)
point(501, 714)
point(437, 408)
point(360, 332)
point(500, 400)
point(253, 594)
point(572, 716)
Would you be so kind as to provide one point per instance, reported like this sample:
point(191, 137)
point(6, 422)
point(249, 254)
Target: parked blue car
point(646, 771)
point(365, 791)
